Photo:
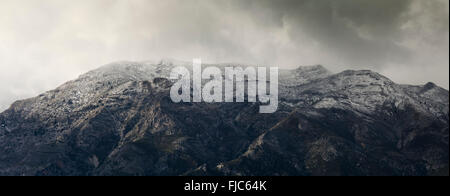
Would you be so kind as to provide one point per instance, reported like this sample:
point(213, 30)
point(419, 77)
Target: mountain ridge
point(118, 120)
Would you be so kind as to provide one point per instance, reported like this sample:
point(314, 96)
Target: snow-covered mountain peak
point(312, 69)
point(303, 75)
point(118, 119)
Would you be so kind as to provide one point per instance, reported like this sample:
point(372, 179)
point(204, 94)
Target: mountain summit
point(119, 120)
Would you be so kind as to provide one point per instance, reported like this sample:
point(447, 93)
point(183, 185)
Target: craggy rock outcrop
point(119, 120)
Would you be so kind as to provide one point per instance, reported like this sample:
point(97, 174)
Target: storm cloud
point(44, 43)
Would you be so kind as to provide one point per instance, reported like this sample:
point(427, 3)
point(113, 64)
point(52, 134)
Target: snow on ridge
point(362, 90)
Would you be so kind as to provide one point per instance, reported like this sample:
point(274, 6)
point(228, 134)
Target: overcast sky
point(44, 43)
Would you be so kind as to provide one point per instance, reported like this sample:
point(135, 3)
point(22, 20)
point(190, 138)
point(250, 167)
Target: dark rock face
point(119, 120)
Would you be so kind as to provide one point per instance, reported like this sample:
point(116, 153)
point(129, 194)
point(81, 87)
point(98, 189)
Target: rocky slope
point(119, 120)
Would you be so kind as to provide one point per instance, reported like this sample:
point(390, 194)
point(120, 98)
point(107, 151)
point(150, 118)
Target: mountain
point(120, 120)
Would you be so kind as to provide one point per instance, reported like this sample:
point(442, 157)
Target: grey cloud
point(44, 43)
point(359, 32)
